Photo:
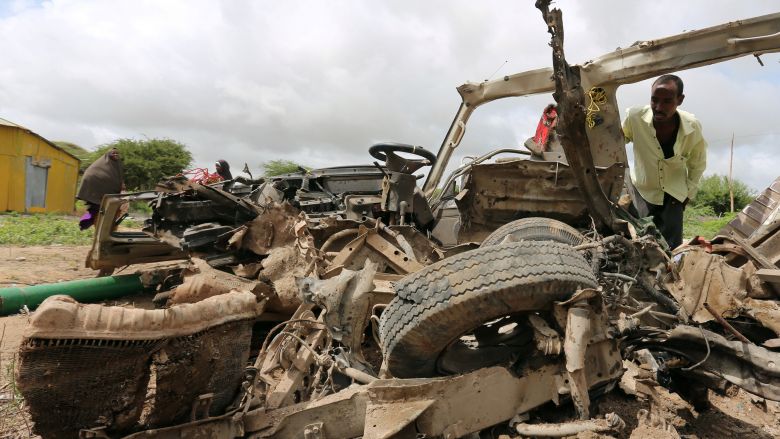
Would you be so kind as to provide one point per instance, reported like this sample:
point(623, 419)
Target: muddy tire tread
point(536, 229)
point(499, 278)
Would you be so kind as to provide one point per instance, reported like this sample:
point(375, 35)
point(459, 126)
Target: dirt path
point(42, 264)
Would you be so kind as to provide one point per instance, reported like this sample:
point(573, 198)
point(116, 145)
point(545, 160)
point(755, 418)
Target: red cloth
point(546, 123)
point(201, 175)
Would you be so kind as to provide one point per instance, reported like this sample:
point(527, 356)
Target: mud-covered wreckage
point(349, 302)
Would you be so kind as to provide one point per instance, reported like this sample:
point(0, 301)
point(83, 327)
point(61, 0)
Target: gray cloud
point(318, 82)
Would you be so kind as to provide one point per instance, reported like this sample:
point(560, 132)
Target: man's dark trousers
point(669, 219)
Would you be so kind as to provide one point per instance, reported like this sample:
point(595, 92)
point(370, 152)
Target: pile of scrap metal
point(341, 303)
point(252, 257)
point(736, 274)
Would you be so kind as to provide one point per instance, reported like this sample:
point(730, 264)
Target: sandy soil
point(737, 414)
point(35, 265)
point(21, 266)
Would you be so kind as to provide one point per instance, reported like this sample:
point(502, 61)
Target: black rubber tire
point(535, 229)
point(438, 304)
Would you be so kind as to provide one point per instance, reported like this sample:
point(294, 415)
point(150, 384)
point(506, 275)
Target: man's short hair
point(663, 79)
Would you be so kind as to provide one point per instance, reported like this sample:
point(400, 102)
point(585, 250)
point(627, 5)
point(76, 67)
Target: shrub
point(279, 167)
point(714, 193)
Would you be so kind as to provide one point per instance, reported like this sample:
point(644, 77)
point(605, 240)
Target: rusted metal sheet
point(225, 426)
point(758, 217)
point(758, 224)
point(383, 420)
point(112, 248)
point(346, 408)
point(709, 288)
point(707, 278)
point(448, 407)
point(578, 331)
point(766, 312)
point(751, 367)
point(371, 245)
point(271, 229)
point(769, 275)
point(202, 281)
point(347, 300)
point(501, 192)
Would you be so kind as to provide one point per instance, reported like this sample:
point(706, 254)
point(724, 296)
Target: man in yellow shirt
point(670, 155)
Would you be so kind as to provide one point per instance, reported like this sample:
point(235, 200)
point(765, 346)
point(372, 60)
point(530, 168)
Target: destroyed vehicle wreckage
point(366, 307)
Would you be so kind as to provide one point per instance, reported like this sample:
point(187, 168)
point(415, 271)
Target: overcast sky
point(318, 82)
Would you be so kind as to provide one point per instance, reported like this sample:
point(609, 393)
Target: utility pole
point(731, 186)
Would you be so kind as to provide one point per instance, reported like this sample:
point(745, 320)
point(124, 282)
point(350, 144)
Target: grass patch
point(702, 221)
point(46, 229)
point(42, 229)
point(140, 208)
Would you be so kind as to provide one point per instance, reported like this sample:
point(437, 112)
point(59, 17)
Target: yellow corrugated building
point(35, 174)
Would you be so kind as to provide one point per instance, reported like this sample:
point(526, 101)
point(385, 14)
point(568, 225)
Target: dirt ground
point(737, 414)
point(22, 266)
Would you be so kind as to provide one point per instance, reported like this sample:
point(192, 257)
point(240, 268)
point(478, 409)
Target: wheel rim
point(494, 342)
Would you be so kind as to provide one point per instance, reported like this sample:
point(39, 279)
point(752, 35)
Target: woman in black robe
point(104, 176)
point(223, 170)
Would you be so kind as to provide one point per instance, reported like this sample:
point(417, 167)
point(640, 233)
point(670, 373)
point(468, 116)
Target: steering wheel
point(387, 153)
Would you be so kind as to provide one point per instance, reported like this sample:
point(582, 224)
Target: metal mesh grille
point(208, 362)
point(76, 384)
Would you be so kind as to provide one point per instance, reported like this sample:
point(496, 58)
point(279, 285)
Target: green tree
point(279, 167)
point(714, 194)
point(146, 161)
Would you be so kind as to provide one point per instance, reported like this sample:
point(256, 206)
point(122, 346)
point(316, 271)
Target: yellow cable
point(597, 97)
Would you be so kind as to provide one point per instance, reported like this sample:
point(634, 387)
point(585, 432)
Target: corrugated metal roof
point(8, 123)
